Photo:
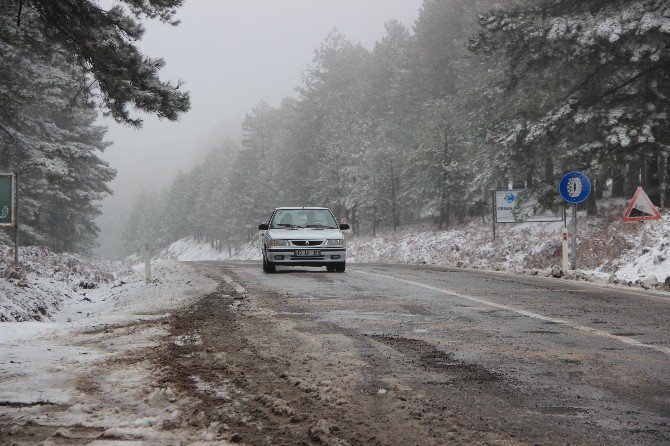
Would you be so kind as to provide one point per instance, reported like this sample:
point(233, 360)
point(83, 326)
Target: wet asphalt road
point(593, 360)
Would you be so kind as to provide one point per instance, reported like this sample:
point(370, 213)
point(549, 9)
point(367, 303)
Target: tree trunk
point(591, 205)
point(460, 215)
point(354, 220)
point(600, 190)
point(619, 183)
point(663, 176)
point(374, 221)
point(529, 180)
point(444, 209)
point(549, 171)
point(446, 215)
point(394, 204)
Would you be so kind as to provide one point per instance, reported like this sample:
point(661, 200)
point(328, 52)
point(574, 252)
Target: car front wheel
point(268, 267)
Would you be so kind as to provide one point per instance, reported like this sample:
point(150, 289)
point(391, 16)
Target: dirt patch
point(430, 357)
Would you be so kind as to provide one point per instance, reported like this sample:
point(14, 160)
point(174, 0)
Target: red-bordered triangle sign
point(641, 208)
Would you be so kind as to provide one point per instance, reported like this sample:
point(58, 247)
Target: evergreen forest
point(477, 95)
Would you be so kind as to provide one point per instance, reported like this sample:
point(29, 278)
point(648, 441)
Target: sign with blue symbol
point(575, 187)
point(507, 209)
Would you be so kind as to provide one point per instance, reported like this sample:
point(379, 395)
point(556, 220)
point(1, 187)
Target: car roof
point(303, 207)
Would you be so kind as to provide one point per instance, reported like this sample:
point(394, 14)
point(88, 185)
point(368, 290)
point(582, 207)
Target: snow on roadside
point(190, 249)
point(43, 281)
point(87, 368)
point(609, 249)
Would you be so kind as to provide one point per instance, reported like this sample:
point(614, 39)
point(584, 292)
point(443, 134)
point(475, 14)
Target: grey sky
point(231, 54)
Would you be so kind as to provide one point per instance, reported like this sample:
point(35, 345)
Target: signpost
point(505, 209)
point(147, 263)
point(9, 198)
point(574, 187)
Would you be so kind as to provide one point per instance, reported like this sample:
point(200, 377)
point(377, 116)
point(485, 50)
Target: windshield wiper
point(287, 225)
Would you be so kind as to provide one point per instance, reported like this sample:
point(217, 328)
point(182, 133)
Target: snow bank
point(87, 369)
point(608, 248)
point(42, 281)
point(189, 249)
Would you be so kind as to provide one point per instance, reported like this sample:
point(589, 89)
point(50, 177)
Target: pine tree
point(104, 44)
point(588, 81)
point(48, 136)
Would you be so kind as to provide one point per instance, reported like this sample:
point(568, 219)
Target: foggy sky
point(231, 54)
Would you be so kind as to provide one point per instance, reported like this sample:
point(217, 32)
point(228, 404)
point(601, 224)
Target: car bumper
point(289, 256)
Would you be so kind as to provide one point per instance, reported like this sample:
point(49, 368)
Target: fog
point(231, 54)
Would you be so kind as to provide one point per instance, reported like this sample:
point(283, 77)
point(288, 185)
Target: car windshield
point(303, 218)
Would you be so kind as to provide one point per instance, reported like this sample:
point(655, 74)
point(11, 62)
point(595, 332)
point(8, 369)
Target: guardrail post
point(147, 264)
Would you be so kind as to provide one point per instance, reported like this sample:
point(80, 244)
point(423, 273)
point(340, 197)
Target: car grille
point(306, 242)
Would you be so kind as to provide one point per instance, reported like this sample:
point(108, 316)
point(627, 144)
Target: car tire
point(340, 267)
point(268, 266)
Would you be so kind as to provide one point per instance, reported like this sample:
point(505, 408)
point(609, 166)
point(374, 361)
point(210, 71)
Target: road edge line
point(566, 323)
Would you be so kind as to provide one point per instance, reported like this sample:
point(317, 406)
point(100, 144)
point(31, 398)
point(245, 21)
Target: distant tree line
point(477, 95)
point(60, 62)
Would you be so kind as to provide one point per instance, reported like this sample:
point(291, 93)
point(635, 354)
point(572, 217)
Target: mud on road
point(271, 375)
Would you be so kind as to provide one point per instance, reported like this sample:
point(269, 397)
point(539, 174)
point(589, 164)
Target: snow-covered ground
point(189, 249)
point(43, 281)
point(608, 248)
point(47, 368)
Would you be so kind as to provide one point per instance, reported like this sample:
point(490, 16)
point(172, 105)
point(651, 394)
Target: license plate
point(308, 253)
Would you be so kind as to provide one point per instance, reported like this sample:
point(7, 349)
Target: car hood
point(304, 234)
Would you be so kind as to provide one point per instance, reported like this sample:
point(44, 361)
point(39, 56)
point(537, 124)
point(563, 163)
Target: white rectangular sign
point(507, 210)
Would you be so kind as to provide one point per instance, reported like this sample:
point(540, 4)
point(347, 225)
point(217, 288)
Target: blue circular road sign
point(575, 187)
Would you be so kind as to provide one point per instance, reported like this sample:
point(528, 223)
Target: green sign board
point(6, 199)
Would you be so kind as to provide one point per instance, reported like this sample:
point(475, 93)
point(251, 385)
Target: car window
point(303, 218)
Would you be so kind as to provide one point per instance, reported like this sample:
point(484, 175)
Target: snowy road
point(511, 358)
point(379, 355)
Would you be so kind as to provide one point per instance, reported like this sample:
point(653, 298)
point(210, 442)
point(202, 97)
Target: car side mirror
point(263, 227)
point(344, 227)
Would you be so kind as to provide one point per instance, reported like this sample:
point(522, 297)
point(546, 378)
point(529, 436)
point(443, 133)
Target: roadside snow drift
point(608, 248)
point(43, 281)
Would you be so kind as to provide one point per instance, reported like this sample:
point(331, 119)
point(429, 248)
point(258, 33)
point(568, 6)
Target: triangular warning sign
point(641, 208)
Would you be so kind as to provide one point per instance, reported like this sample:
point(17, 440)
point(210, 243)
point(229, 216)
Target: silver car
point(307, 236)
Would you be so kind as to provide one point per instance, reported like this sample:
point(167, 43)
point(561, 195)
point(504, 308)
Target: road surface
point(401, 355)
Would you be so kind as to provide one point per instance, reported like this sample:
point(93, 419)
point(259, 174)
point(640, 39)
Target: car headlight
point(278, 243)
point(335, 242)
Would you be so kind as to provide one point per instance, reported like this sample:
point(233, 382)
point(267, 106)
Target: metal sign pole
point(574, 187)
point(573, 240)
point(493, 216)
point(16, 217)
point(564, 242)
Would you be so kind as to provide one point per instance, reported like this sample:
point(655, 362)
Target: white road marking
point(585, 286)
point(566, 323)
